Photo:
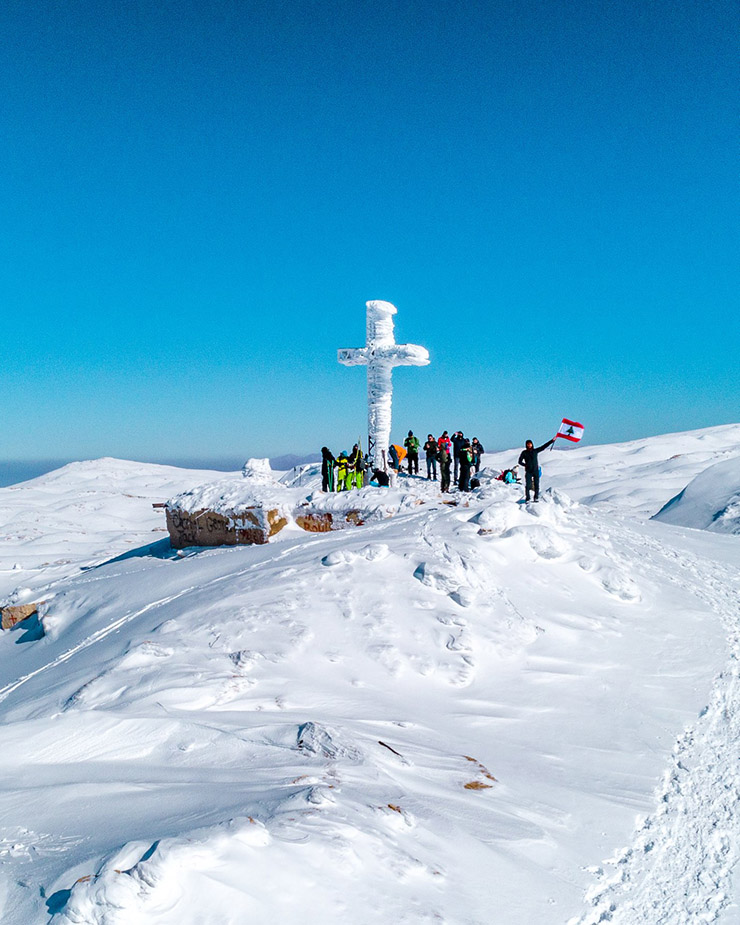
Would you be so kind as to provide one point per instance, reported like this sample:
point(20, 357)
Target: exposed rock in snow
point(16, 613)
point(254, 524)
point(235, 511)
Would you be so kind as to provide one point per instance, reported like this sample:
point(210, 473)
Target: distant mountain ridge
point(290, 460)
point(22, 470)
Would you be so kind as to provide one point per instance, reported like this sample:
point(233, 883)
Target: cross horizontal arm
point(353, 356)
point(403, 355)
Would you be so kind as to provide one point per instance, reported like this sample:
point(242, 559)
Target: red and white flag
point(570, 430)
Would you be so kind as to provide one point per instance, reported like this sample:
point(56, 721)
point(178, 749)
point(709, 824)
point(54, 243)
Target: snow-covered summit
point(453, 714)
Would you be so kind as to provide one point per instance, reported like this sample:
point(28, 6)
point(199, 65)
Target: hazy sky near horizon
point(199, 197)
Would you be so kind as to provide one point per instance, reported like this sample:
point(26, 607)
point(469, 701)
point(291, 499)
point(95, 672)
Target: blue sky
point(198, 198)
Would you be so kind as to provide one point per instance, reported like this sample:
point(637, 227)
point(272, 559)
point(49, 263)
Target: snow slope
point(455, 714)
point(711, 501)
point(82, 514)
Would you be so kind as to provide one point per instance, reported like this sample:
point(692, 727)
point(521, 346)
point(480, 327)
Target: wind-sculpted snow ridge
point(446, 715)
point(711, 501)
point(679, 868)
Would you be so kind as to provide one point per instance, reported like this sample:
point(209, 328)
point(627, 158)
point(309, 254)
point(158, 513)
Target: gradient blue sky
point(197, 198)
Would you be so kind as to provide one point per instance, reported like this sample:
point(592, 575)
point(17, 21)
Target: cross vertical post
point(380, 354)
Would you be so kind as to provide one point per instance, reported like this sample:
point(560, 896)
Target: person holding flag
point(570, 430)
point(528, 459)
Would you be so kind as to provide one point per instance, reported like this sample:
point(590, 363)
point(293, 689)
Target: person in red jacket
point(444, 441)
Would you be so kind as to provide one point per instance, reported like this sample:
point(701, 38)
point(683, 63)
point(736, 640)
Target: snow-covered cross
point(380, 354)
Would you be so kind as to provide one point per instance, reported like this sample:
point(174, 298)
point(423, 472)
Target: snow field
point(453, 715)
point(82, 514)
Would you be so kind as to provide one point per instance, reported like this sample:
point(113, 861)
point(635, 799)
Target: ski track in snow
point(87, 642)
point(678, 869)
point(106, 631)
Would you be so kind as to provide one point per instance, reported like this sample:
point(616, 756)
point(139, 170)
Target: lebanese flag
point(570, 430)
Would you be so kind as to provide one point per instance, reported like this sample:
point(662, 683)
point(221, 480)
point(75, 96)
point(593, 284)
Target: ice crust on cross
point(380, 354)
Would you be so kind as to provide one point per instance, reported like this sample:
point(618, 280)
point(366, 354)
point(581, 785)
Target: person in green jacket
point(412, 452)
point(342, 472)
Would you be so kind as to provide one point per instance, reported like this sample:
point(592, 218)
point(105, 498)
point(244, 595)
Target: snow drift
point(711, 501)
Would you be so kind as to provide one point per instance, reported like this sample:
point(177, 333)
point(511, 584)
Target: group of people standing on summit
point(456, 457)
point(343, 473)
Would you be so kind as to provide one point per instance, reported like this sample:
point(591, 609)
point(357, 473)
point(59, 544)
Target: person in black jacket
point(444, 467)
point(458, 439)
point(357, 466)
point(381, 478)
point(327, 469)
point(466, 462)
point(430, 448)
point(477, 447)
point(528, 459)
